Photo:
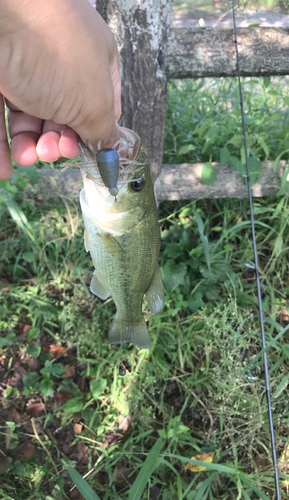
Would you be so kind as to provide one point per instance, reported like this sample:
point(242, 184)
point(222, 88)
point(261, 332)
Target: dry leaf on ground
point(203, 457)
point(24, 328)
point(35, 409)
point(26, 449)
point(56, 351)
point(69, 371)
point(78, 428)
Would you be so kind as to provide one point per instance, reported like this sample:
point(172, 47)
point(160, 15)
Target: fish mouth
point(128, 148)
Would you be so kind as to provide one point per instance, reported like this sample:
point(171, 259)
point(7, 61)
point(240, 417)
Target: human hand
point(59, 66)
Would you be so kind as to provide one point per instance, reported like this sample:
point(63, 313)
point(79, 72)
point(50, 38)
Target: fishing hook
point(275, 464)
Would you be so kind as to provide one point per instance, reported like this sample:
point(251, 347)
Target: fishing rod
point(256, 268)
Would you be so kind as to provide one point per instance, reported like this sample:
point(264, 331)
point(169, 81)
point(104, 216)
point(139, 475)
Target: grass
point(198, 391)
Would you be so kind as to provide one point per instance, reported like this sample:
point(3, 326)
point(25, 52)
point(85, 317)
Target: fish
point(122, 235)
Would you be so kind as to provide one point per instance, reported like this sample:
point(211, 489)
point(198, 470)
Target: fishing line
point(256, 264)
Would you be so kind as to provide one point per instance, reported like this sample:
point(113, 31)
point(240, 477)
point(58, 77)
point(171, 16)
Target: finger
point(24, 131)
point(68, 144)
point(52, 145)
point(47, 146)
point(23, 148)
point(5, 158)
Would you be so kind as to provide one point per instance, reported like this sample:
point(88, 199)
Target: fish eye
point(137, 185)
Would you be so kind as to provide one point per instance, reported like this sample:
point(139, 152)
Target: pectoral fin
point(86, 245)
point(112, 246)
point(155, 292)
point(97, 287)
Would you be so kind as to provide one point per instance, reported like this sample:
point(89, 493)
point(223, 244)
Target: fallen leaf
point(50, 435)
point(26, 449)
point(203, 457)
point(63, 396)
point(124, 423)
point(35, 409)
point(83, 453)
point(4, 281)
point(285, 314)
point(28, 427)
point(56, 351)
point(13, 415)
point(113, 438)
point(78, 428)
point(260, 461)
point(82, 384)
point(68, 449)
point(154, 493)
point(24, 328)
point(15, 380)
point(45, 347)
point(34, 364)
point(69, 371)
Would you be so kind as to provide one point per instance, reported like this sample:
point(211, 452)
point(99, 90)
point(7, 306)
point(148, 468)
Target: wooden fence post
point(142, 30)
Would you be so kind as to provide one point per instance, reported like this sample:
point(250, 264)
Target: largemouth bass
point(123, 238)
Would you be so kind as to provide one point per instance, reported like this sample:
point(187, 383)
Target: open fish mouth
point(128, 148)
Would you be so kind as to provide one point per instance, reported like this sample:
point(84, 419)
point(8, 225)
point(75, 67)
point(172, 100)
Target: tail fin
point(138, 334)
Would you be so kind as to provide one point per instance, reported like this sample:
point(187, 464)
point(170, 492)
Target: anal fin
point(155, 292)
point(97, 287)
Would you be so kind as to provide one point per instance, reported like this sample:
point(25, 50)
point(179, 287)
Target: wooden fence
point(151, 53)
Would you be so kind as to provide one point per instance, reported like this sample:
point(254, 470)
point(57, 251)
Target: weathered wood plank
point(175, 182)
point(183, 182)
point(210, 52)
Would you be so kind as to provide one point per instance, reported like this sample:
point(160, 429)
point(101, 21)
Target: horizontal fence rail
point(210, 52)
point(175, 182)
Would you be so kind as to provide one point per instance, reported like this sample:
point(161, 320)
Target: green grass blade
point(146, 471)
point(80, 483)
point(251, 486)
point(265, 349)
point(204, 238)
point(17, 215)
point(211, 466)
point(205, 486)
point(246, 497)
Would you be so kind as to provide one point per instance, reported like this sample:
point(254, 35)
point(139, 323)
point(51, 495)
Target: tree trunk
point(141, 31)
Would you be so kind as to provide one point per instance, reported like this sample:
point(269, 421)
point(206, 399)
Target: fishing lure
point(108, 164)
point(111, 162)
